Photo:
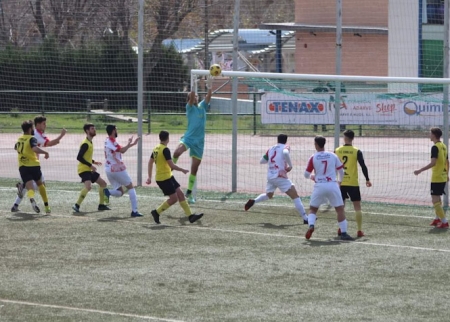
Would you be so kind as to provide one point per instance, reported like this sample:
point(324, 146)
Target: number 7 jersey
point(325, 164)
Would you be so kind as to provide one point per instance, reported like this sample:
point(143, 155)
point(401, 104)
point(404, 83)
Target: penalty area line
point(62, 307)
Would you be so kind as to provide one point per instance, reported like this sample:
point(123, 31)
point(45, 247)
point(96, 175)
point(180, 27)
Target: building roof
point(293, 26)
point(222, 40)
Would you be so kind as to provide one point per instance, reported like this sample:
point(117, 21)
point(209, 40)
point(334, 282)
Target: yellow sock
point(186, 208)
point(30, 193)
point(163, 207)
point(83, 194)
point(175, 160)
point(439, 210)
point(101, 195)
point(43, 193)
point(358, 217)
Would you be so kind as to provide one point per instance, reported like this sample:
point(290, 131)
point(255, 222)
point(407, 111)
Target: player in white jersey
point(40, 124)
point(116, 171)
point(279, 164)
point(326, 188)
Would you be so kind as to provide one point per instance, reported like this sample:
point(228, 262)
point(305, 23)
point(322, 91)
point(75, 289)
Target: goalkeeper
point(194, 137)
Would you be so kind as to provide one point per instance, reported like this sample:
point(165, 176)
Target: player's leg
point(317, 199)
point(355, 197)
point(181, 148)
point(29, 175)
point(43, 192)
point(115, 180)
point(131, 193)
point(186, 208)
point(195, 164)
point(335, 198)
point(20, 193)
point(169, 188)
point(101, 191)
point(292, 193)
point(437, 190)
point(270, 189)
point(87, 186)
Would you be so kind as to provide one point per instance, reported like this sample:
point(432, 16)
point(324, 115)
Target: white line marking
point(144, 317)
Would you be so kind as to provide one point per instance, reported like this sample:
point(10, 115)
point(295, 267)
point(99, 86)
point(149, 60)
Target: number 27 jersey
point(325, 164)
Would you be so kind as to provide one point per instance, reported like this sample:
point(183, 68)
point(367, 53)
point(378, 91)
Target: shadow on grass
point(112, 219)
point(158, 227)
point(22, 216)
point(272, 226)
point(437, 231)
point(320, 243)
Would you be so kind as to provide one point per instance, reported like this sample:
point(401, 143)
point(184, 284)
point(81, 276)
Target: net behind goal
point(391, 118)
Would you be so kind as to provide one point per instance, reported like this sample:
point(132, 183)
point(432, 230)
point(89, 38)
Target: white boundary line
point(356, 242)
point(61, 307)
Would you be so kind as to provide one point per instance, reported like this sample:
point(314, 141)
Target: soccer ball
point(215, 70)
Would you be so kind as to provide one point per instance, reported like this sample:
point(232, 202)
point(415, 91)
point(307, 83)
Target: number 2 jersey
point(325, 164)
point(277, 158)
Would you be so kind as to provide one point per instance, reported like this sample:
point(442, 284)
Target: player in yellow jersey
point(165, 180)
point(87, 170)
point(350, 156)
point(29, 165)
point(439, 176)
point(40, 125)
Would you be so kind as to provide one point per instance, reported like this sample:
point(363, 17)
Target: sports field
point(231, 265)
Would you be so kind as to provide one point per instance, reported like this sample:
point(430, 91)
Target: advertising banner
point(361, 109)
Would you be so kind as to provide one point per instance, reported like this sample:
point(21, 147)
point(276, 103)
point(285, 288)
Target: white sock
point(299, 205)
point(343, 226)
point(18, 200)
point(312, 219)
point(261, 197)
point(115, 193)
point(133, 199)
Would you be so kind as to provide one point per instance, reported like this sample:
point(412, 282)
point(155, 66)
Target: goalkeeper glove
point(209, 81)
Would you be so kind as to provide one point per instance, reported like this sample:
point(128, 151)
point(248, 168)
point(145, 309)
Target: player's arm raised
point(58, 139)
point(209, 81)
point(129, 145)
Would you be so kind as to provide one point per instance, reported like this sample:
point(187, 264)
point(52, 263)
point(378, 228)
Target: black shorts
point(352, 192)
point(168, 186)
point(30, 173)
point(91, 176)
point(438, 188)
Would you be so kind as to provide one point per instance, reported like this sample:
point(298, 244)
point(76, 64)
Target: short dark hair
point(320, 140)
point(87, 126)
point(282, 138)
point(27, 125)
point(39, 119)
point(349, 134)
point(437, 132)
point(110, 128)
point(163, 135)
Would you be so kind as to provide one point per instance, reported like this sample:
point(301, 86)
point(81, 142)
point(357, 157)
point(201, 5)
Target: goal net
point(391, 118)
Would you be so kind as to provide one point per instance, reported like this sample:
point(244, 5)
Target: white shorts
point(118, 179)
point(327, 191)
point(283, 184)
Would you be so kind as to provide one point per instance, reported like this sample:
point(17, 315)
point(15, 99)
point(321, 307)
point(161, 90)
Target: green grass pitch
point(232, 265)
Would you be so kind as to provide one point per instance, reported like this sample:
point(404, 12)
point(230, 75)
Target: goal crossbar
point(337, 78)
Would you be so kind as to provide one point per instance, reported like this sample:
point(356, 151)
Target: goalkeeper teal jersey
point(196, 116)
